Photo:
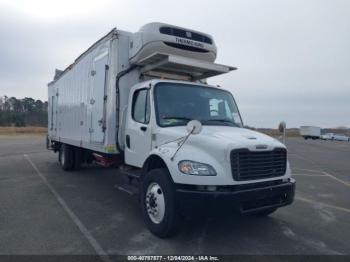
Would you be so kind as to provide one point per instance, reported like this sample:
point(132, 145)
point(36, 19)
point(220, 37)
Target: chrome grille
point(250, 165)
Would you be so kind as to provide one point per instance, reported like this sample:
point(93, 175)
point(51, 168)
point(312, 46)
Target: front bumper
point(248, 198)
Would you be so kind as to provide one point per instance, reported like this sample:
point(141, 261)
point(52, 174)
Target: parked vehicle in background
point(312, 132)
point(327, 136)
point(341, 137)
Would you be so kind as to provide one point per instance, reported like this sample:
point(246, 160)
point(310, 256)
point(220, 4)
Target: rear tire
point(78, 157)
point(159, 204)
point(66, 157)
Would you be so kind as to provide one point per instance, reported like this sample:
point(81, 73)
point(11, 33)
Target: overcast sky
point(293, 55)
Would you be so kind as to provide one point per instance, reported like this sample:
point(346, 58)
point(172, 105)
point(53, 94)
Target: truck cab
point(215, 163)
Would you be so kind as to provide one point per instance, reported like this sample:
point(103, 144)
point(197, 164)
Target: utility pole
point(282, 129)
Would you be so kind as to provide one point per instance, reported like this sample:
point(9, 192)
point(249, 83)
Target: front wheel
point(158, 203)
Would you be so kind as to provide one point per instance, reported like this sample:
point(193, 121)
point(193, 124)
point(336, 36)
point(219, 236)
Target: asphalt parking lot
point(44, 210)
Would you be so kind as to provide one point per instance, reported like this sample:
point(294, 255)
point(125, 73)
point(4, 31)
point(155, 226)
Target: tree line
point(22, 112)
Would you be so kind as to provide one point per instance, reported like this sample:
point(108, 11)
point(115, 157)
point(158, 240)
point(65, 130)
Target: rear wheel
point(78, 157)
point(158, 203)
point(65, 157)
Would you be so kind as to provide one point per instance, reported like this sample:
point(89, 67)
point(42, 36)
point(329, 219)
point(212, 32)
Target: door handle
point(128, 141)
point(143, 128)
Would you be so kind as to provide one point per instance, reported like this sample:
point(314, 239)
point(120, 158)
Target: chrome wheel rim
point(155, 203)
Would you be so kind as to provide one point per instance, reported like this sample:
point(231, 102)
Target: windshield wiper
point(221, 121)
point(224, 121)
point(177, 118)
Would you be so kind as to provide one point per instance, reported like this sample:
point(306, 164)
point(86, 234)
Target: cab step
point(131, 178)
point(130, 172)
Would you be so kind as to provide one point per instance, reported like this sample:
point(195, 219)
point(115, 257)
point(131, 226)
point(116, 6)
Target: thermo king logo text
point(188, 42)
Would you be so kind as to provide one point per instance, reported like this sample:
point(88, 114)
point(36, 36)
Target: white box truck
point(140, 101)
point(312, 132)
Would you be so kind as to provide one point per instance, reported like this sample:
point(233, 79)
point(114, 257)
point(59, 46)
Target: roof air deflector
point(179, 65)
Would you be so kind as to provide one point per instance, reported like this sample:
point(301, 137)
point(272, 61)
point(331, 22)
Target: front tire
point(158, 203)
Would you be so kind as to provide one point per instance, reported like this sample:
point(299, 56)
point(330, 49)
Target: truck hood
point(220, 137)
point(213, 146)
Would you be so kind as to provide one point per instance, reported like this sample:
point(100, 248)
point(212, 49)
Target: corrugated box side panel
point(77, 103)
point(111, 103)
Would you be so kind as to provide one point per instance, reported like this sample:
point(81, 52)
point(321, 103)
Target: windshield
point(176, 104)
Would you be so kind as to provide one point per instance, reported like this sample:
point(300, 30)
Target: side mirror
point(194, 127)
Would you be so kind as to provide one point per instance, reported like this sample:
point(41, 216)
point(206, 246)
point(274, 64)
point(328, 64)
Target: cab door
point(138, 129)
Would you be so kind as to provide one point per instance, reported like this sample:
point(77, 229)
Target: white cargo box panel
point(194, 69)
point(82, 99)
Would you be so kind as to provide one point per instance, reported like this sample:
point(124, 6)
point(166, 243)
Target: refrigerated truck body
point(131, 100)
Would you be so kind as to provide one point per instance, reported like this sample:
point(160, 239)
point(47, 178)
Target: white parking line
point(308, 170)
point(93, 242)
point(308, 175)
point(324, 204)
point(335, 178)
point(324, 172)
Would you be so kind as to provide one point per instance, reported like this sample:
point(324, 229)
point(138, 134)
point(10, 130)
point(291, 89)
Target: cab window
point(141, 106)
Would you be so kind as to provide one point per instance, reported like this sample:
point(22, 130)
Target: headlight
point(195, 168)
